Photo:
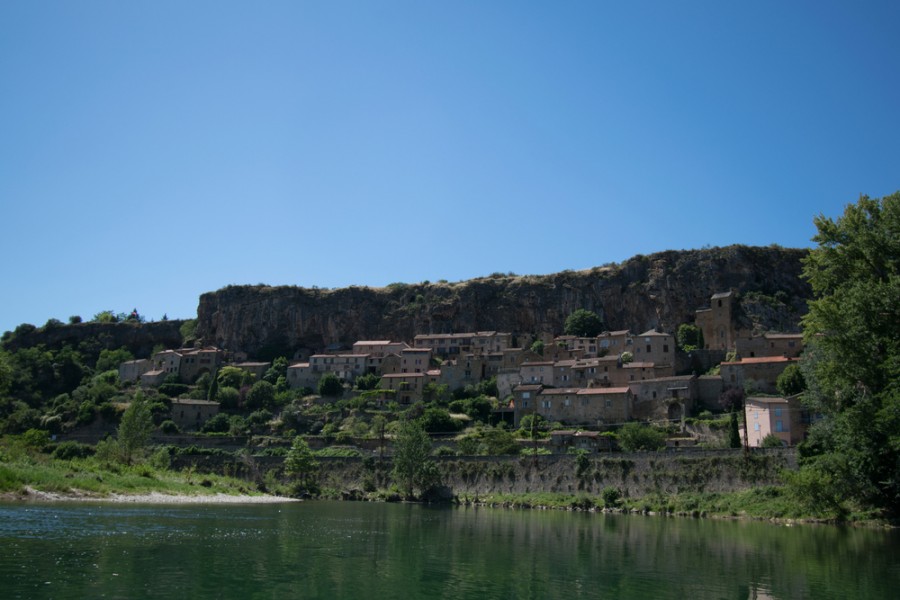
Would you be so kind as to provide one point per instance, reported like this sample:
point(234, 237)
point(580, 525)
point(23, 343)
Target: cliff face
point(662, 289)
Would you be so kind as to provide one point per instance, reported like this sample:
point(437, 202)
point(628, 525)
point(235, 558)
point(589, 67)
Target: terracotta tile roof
point(559, 391)
point(756, 360)
point(783, 336)
point(602, 391)
point(373, 343)
point(719, 295)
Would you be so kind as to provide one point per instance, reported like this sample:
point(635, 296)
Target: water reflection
point(352, 550)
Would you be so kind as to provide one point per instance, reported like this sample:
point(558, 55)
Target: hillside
point(661, 289)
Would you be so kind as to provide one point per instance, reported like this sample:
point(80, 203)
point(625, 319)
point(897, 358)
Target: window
point(526, 394)
point(545, 403)
point(777, 412)
point(779, 426)
point(649, 349)
point(756, 427)
point(654, 394)
point(608, 403)
point(665, 347)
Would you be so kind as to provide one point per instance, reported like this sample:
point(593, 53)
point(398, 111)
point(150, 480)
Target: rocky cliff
point(662, 289)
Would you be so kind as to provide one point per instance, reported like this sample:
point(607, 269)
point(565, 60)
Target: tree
point(230, 377)
point(583, 323)
point(634, 437)
point(278, 369)
point(852, 360)
point(331, 385)
point(135, 428)
point(790, 381)
point(367, 382)
point(734, 432)
point(538, 347)
point(301, 462)
point(111, 359)
point(689, 337)
point(412, 467)
point(261, 395)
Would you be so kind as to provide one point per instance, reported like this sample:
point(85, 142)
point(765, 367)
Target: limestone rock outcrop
point(662, 289)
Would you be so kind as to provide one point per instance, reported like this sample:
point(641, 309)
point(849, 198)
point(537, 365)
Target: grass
point(21, 468)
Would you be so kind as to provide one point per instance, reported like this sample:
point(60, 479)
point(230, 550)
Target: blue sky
point(153, 151)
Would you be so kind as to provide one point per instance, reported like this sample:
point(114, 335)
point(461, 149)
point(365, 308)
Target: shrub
point(169, 427)
point(70, 450)
point(611, 497)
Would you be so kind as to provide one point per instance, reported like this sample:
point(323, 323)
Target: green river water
point(363, 550)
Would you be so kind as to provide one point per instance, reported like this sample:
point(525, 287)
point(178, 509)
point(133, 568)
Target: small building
point(190, 414)
point(759, 373)
point(589, 441)
point(785, 418)
point(132, 370)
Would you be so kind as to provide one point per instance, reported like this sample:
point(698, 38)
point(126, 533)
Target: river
point(368, 550)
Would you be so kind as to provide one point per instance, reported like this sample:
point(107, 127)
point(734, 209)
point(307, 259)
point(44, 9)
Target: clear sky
point(153, 151)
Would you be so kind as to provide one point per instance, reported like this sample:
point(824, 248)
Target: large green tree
point(852, 360)
point(583, 323)
point(135, 428)
point(412, 467)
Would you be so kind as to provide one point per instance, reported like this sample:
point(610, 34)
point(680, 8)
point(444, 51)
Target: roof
point(539, 364)
point(299, 366)
point(654, 333)
point(374, 343)
point(402, 375)
point(433, 372)
point(719, 295)
point(195, 402)
point(783, 336)
point(767, 399)
point(755, 360)
point(603, 391)
point(252, 364)
point(559, 391)
point(415, 350)
point(638, 365)
point(528, 387)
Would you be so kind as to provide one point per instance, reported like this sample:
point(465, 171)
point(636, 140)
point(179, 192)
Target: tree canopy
point(583, 323)
point(852, 360)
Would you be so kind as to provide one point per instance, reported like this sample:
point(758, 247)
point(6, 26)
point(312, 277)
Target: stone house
point(131, 370)
point(655, 347)
point(415, 360)
point(537, 372)
point(379, 348)
point(562, 440)
point(167, 361)
point(759, 374)
point(196, 361)
point(770, 344)
point(664, 398)
point(301, 375)
point(450, 344)
point(785, 418)
point(460, 372)
point(614, 342)
point(573, 406)
point(190, 414)
point(406, 387)
point(346, 366)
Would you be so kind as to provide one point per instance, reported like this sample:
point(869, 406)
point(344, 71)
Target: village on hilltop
point(585, 384)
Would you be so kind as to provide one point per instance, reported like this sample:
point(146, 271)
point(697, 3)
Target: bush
point(70, 450)
point(218, 424)
point(169, 427)
point(611, 497)
point(634, 437)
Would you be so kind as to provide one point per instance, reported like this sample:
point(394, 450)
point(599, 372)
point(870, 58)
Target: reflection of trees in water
point(356, 550)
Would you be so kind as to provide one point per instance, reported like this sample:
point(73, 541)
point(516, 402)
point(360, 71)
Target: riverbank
point(29, 494)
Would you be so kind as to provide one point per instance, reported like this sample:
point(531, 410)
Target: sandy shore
point(32, 495)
